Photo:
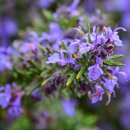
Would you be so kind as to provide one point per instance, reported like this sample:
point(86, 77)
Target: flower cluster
point(66, 60)
point(10, 98)
point(89, 57)
point(6, 54)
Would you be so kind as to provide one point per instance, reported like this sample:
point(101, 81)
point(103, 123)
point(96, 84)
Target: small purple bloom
point(8, 27)
point(94, 71)
point(5, 62)
point(15, 111)
point(73, 8)
point(97, 96)
point(5, 95)
point(69, 107)
point(110, 84)
point(5, 58)
point(45, 3)
point(53, 58)
point(126, 19)
point(54, 36)
point(27, 46)
point(113, 35)
point(15, 108)
point(60, 59)
point(85, 47)
point(36, 94)
point(31, 44)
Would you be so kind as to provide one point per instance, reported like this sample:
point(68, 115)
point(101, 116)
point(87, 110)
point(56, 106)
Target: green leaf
point(42, 48)
point(33, 88)
point(80, 72)
point(89, 32)
point(45, 81)
point(108, 74)
point(108, 95)
point(48, 15)
point(71, 78)
point(115, 57)
point(35, 64)
point(63, 46)
point(45, 72)
point(111, 63)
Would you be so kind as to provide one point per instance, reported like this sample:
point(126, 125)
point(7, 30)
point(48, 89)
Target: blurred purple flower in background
point(5, 95)
point(8, 28)
point(69, 107)
point(54, 36)
point(5, 58)
point(37, 94)
point(67, 11)
point(60, 59)
point(45, 3)
point(10, 98)
point(15, 108)
point(30, 44)
point(89, 5)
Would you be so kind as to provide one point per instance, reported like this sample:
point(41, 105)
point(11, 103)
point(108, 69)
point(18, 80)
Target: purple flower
point(45, 3)
point(85, 47)
point(110, 84)
point(5, 58)
point(15, 111)
point(5, 95)
point(126, 19)
point(31, 43)
point(117, 5)
point(95, 70)
point(113, 35)
point(97, 96)
point(54, 36)
point(15, 108)
point(53, 58)
point(8, 28)
point(73, 8)
point(36, 94)
point(5, 62)
point(60, 59)
point(10, 97)
point(99, 39)
point(69, 107)
point(27, 46)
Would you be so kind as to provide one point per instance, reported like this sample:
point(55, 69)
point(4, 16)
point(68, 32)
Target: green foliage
point(22, 123)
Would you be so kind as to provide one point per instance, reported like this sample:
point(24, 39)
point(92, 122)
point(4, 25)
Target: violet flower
point(15, 108)
point(31, 44)
point(97, 96)
point(60, 59)
point(69, 107)
point(95, 70)
point(85, 47)
point(45, 3)
point(110, 84)
point(8, 27)
point(5, 58)
point(5, 95)
point(113, 35)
